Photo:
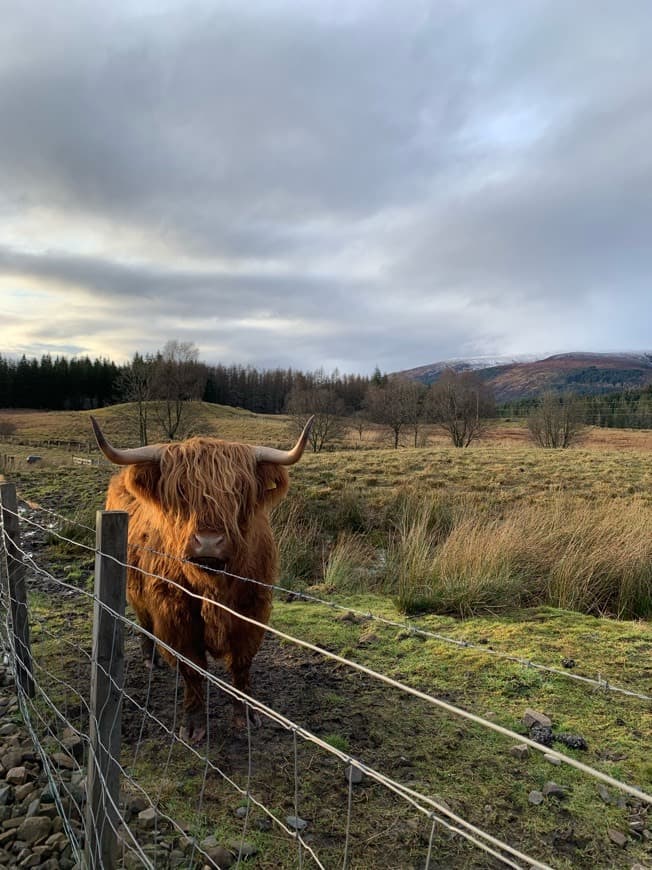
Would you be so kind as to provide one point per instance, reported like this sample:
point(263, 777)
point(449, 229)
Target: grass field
point(493, 532)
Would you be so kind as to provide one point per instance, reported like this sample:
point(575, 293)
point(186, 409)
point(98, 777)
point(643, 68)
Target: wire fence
point(408, 625)
point(169, 788)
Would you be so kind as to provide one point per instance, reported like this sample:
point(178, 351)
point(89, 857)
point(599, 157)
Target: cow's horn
point(285, 457)
point(129, 456)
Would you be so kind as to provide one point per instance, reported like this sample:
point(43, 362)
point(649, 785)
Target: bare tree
point(460, 403)
point(415, 398)
point(393, 404)
point(136, 386)
point(358, 422)
point(557, 421)
point(320, 400)
point(178, 385)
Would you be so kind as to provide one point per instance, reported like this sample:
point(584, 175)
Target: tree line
point(58, 384)
point(629, 409)
point(79, 383)
point(162, 391)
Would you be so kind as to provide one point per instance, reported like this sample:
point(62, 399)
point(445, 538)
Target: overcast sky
point(326, 184)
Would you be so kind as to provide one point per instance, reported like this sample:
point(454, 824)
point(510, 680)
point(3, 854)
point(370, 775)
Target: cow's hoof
point(192, 734)
point(153, 663)
point(240, 720)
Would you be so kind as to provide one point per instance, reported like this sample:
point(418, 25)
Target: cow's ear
point(273, 483)
point(142, 481)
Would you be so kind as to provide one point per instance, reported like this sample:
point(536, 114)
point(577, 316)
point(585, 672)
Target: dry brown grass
point(239, 425)
point(232, 424)
point(594, 557)
point(515, 524)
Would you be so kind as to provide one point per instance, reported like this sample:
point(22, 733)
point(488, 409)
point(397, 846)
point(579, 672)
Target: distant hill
point(514, 378)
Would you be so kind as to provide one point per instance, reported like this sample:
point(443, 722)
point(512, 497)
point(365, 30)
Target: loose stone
point(57, 842)
point(209, 843)
point(177, 858)
point(353, 774)
point(14, 822)
point(7, 837)
point(220, 857)
point(74, 745)
point(263, 824)
point(14, 758)
point(16, 776)
point(137, 804)
point(35, 829)
point(62, 759)
point(33, 808)
point(297, 823)
point(23, 791)
point(617, 837)
point(243, 850)
point(147, 818)
point(532, 717)
point(521, 751)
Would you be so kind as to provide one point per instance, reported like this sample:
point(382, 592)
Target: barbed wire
point(409, 794)
point(408, 625)
point(160, 724)
point(29, 709)
point(444, 705)
point(432, 809)
point(414, 798)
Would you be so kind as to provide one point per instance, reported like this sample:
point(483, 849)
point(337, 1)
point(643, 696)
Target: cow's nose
point(210, 544)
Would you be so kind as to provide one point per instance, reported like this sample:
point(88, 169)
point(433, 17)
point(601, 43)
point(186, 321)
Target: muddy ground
point(331, 702)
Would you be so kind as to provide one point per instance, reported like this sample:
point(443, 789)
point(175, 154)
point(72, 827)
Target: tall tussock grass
point(600, 560)
point(299, 541)
point(348, 565)
point(590, 556)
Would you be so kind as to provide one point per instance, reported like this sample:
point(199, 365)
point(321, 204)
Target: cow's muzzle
point(208, 545)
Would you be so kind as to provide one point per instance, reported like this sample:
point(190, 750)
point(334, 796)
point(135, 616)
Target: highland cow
point(198, 514)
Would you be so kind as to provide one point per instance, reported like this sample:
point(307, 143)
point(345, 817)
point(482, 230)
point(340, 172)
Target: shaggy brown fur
point(201, 484)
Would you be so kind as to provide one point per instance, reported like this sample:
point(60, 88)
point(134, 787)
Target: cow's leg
point(244, 646)
point(151, 657)
point(186, 638)
point(193, 730)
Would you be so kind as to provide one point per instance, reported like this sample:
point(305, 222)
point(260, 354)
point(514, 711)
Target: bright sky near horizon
point(325, 184)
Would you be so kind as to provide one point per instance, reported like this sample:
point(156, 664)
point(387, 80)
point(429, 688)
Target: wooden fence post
point(16, 588)
point(107, 678)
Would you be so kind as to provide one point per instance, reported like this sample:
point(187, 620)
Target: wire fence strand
point(437, 812)
point(408, 625)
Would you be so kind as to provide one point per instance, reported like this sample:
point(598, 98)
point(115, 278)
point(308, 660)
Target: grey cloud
point(214, 123)
point(181, 291)
point(409, 182)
